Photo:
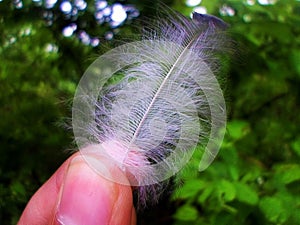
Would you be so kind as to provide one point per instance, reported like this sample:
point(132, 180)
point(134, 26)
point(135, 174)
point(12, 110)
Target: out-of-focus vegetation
point(256, 177)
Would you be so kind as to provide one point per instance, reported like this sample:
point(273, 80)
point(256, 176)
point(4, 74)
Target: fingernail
point(84, 198)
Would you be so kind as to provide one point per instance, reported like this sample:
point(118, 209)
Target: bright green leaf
point(186, 213)
point(205, 194)
point(234, 172)
point(227, 190)
point(288, 173)
point(190, 189)
point(237, 128)
point(273, 209)
point(246, 194)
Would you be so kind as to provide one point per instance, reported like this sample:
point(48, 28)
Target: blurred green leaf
point(273, 209)
point(227, 190)
point(246, 194)
point(287, 173)
point(234, 172)
point(237, 128)
point(190, 189)
point(18, 190)
point(296, 145)
point(186, 213)
point(205, 194)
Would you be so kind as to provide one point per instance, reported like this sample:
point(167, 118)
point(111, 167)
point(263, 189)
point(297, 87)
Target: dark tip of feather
point(210, 20)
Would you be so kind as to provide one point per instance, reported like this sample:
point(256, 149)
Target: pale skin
point(75, 194)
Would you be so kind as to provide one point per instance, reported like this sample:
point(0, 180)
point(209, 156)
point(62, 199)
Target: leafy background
point(256, 177)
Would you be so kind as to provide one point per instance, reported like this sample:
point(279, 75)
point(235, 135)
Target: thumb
point(82, 197)
point(87, 198)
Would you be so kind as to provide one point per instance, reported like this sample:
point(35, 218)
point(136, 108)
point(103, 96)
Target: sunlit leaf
point(246, 194)
point(190, 189)
point(186, 213)
point(227, 190)
point(273, 209)
point(287, 173)
point(205, 194)
point(237, 128)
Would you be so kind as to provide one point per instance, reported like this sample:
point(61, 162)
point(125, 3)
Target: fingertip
point(88, 198)
point(76, 194)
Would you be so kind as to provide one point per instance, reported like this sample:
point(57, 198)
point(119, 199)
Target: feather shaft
point(167, 99)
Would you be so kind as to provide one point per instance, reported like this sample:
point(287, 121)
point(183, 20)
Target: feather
point(166, 101)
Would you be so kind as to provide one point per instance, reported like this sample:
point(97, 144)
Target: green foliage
point(37, 80)
point(256, 176)
point(255, 179)
point(186, 213)
point(238, 187)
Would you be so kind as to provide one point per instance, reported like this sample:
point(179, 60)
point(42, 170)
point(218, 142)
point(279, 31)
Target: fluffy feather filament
point(168, 99)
